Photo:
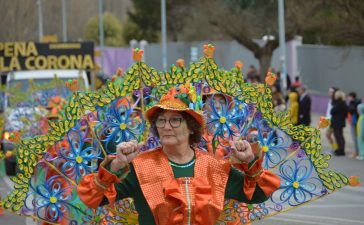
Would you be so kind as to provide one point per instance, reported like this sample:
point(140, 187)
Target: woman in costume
point(177, 183)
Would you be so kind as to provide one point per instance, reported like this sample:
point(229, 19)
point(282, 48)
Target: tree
point(144, 21)
point(112, 30)
point(337, 22)
point(334, 22)
point(246, 21)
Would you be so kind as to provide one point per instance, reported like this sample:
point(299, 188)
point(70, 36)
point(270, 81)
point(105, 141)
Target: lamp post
point(64, 21)
point(40, 20)
point(164, 34)
point(282, 45)
point(101, 33)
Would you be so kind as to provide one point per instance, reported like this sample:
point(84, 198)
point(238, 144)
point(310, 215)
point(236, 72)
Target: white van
point(22, 112)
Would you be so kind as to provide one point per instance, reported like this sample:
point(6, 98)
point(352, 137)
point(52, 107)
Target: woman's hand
point(125, 153)
point(242, 151)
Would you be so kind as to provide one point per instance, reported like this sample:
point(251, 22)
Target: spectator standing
point(353, 117)
point(360, 131)
point(329, 132)
point(339, 112)
point(251, 74)
point(293, 107)
point(304, 109)
point(297, 82)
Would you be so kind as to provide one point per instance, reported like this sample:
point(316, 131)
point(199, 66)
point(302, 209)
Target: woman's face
point(331, 92)
point(172, 128)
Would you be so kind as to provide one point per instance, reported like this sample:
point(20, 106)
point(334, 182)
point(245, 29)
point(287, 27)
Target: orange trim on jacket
point(199, 198)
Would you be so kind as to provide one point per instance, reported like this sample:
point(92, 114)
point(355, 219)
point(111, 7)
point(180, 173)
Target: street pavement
point(345, 206)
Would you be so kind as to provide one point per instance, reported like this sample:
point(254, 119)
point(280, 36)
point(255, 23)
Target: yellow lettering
point(52, 62)
point(29, 63)
point(87, 62)
point(41, 62)
point(63, 62)
point(32, 50)
point(14, 64)
point(2, 64)
point(75, 61)
point(9, 49)
point(19, 49)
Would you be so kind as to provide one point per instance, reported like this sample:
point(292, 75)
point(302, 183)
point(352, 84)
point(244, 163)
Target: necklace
point(183, 166)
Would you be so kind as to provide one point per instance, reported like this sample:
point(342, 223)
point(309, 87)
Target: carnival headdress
point(286, 147)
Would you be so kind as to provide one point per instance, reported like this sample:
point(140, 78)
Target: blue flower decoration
point(52, 200)
point(274, 145)
point(80, 158)
point(297, 183)
point(120, 123)
point(222, 121)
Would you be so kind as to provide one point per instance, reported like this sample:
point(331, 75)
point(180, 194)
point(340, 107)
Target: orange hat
point(178, 99)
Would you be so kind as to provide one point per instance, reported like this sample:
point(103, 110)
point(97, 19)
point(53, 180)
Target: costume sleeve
point(250, 183)
point(99, 188)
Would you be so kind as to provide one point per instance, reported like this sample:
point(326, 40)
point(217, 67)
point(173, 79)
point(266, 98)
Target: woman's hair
point(339, 95)
point(192, 125)
point(334, 90)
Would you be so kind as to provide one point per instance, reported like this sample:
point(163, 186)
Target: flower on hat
point(180, 98)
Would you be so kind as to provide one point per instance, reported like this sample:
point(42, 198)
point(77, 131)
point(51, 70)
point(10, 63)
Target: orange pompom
point(138, 54)
point(271, 78)
point(15, 137)
point(72, 85)
point(238, 64)
point(208, 50)
point(180, 63)
point(354, 181)
point(324, 122)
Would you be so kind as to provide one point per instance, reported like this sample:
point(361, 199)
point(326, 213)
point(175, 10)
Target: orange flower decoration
point(208, 50)
point(72, 85)
point(120, 72)
point(271, 78)
point(138, 54)
point(324, 122)
point(238, 64)
point(180, 63)
point(55, 105)
point(15, 137)
point(354, 181)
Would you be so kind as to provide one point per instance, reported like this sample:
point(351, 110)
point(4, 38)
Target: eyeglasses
point(174, 122)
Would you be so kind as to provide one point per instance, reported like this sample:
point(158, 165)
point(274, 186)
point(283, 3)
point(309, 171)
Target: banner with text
point(43, 56)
